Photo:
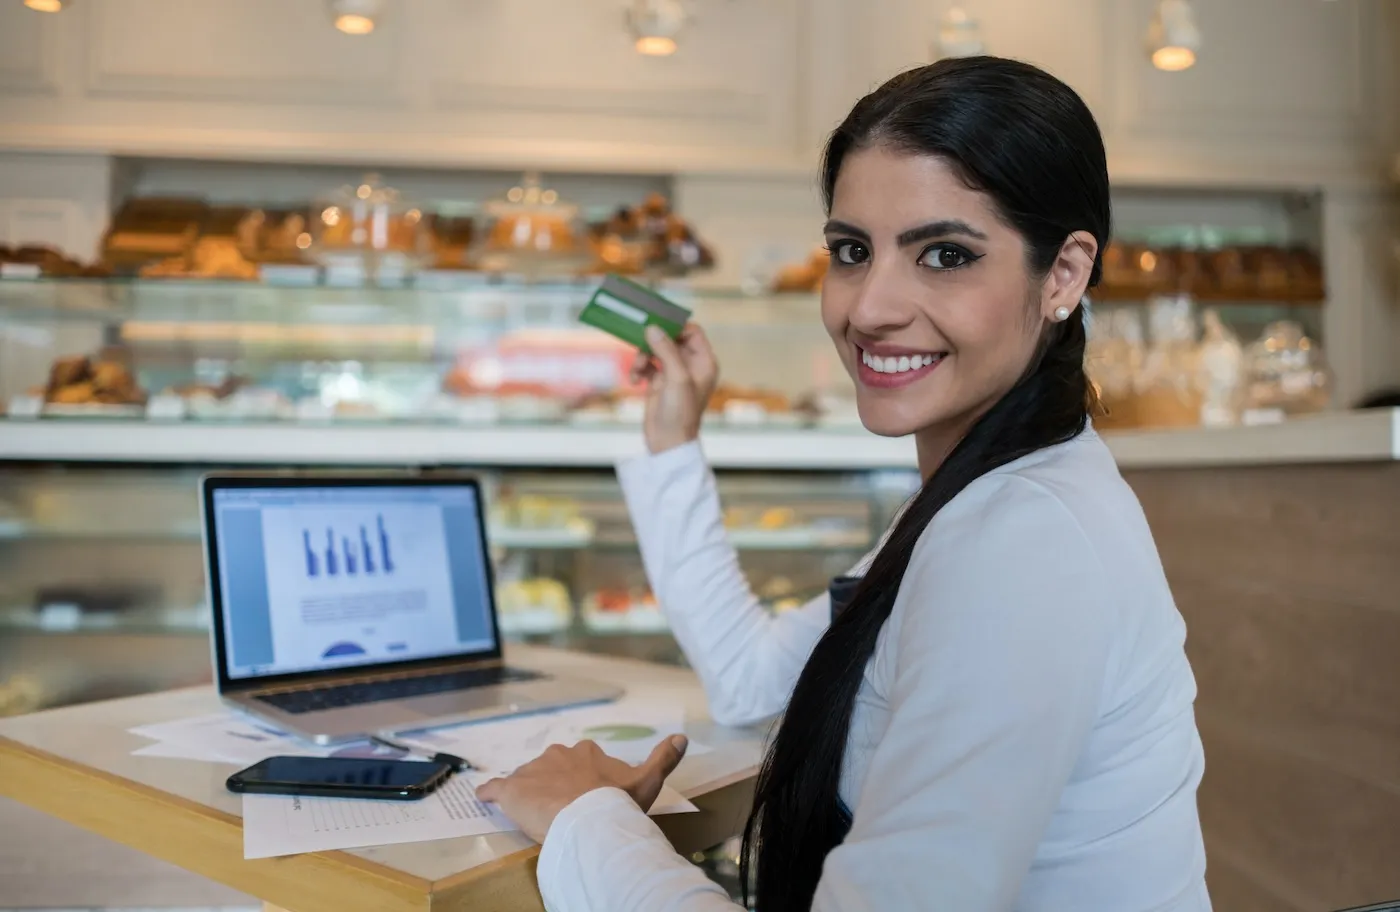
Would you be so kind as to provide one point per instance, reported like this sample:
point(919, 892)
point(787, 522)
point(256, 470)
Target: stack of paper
point(280, 825)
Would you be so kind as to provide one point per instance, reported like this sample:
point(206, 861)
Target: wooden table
point(76, 764)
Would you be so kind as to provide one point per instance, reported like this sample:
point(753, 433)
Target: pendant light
point(959, 35)
point(356, 17)
point(1173, 38)
point(48, 6)
point(655, 24)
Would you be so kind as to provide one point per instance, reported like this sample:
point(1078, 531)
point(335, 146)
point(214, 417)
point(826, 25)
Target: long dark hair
point(1019, 135)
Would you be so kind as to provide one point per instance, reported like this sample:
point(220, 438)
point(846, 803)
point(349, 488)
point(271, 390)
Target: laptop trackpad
point(467, 701)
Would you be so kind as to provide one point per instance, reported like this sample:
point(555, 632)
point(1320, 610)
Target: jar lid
point(531, 197)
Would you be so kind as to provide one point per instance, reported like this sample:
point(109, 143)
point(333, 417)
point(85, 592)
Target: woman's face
point(929, 297)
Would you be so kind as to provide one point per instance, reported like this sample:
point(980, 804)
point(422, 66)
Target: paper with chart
point(280, 825)
point(627, 729)
point(218, 737)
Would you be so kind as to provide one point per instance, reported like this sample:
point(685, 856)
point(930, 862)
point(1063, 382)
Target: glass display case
point(468, 352)
point(119, 394)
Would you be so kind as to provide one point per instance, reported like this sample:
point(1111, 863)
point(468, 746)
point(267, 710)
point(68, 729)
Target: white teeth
point(893, 365)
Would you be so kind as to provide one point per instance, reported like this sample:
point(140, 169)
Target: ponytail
point(1028, 141)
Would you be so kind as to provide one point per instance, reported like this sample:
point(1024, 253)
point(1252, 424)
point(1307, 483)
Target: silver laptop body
point(350, 606)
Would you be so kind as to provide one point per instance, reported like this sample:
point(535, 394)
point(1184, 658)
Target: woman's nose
point(883, 302)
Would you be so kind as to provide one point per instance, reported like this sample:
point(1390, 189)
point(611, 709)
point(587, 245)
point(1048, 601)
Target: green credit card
point(625, 309)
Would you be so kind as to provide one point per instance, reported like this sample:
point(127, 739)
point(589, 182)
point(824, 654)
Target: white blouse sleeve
point(1000, 656)
point(602, 854)
point(748, 660)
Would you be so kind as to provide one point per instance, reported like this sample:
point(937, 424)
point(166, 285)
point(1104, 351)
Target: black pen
point(456, 763)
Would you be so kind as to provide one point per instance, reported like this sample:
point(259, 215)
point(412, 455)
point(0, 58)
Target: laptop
point(345, 607)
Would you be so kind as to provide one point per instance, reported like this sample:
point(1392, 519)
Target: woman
point(1002, 717)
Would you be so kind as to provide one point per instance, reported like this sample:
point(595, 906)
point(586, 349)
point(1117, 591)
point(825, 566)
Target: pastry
point(536, 594)
point(79, 380)
point(613, 253)
point(70, 370)
point(648, 237)
point(769, 400)
point(275, 237)
point(777, 518)
point(223, 390)
point(541, 232)
point(804, 277)
point(145, 230)
point(452, 239)
point(1305, 275)
point(109, 376)
point(73, 394)
point(1230, 276)
point(220, 258)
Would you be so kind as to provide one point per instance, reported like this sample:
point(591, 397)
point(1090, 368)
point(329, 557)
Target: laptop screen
point(319, 578)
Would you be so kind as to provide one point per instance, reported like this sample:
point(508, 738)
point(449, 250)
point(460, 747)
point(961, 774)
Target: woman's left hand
point(534, 795)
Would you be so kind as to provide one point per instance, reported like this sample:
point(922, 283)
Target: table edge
point(191, 835)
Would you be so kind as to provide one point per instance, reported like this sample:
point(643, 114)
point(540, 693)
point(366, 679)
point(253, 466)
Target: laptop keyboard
point(342, 695)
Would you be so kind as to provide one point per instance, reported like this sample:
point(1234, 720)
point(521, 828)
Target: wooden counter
point(1288, 576)
point(76, 764)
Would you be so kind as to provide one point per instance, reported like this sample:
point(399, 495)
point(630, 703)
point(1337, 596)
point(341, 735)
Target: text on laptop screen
point(315, 578)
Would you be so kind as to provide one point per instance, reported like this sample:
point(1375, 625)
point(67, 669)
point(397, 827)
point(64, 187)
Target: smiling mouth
point(890, 371)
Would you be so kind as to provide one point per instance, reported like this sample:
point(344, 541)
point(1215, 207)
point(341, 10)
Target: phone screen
point(344, 772)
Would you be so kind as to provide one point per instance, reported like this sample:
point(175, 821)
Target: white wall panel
point(1286, 70)
point(28, 49)
point(252, 52)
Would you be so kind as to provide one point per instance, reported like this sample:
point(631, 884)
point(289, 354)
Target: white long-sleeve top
point(1023, 738)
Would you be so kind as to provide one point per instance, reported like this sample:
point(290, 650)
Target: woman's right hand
point(680, 378)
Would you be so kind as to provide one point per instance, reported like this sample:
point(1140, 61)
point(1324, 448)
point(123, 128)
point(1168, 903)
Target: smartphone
point(341, 777)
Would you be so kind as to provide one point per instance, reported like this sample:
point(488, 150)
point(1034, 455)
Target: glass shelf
point(216, 301)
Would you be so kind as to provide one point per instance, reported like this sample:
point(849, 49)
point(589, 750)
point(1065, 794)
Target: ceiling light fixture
point(356, 17)
point(959, 35)
point(1173, 38)
point(46, 6)
point(655, 24)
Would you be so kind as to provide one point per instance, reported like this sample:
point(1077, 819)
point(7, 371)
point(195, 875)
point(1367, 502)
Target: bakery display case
point(101, 586)
point(485, 353)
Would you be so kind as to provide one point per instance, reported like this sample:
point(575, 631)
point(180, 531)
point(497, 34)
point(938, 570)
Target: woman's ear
point(1068, 278)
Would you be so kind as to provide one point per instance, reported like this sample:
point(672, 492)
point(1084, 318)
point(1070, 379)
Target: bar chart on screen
point(348, 553)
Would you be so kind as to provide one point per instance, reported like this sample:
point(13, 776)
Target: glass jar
point(1170, 394)
point(368, 234)
point(532, 233)
point(1287, 372)
point(1114, 356)
point(1222, 373)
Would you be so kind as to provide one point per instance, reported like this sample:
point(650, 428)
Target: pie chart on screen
point(341, 650)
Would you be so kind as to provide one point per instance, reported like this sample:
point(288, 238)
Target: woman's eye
point(850, 253)
point(942, 256)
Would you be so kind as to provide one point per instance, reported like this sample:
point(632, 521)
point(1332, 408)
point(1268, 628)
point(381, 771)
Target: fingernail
point(679, 742)
point(654, 334)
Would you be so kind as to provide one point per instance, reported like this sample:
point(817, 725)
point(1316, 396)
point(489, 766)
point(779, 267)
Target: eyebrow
point(941, 228)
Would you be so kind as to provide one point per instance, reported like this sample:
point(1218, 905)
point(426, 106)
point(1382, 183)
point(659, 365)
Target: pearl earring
point(1061, 314)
